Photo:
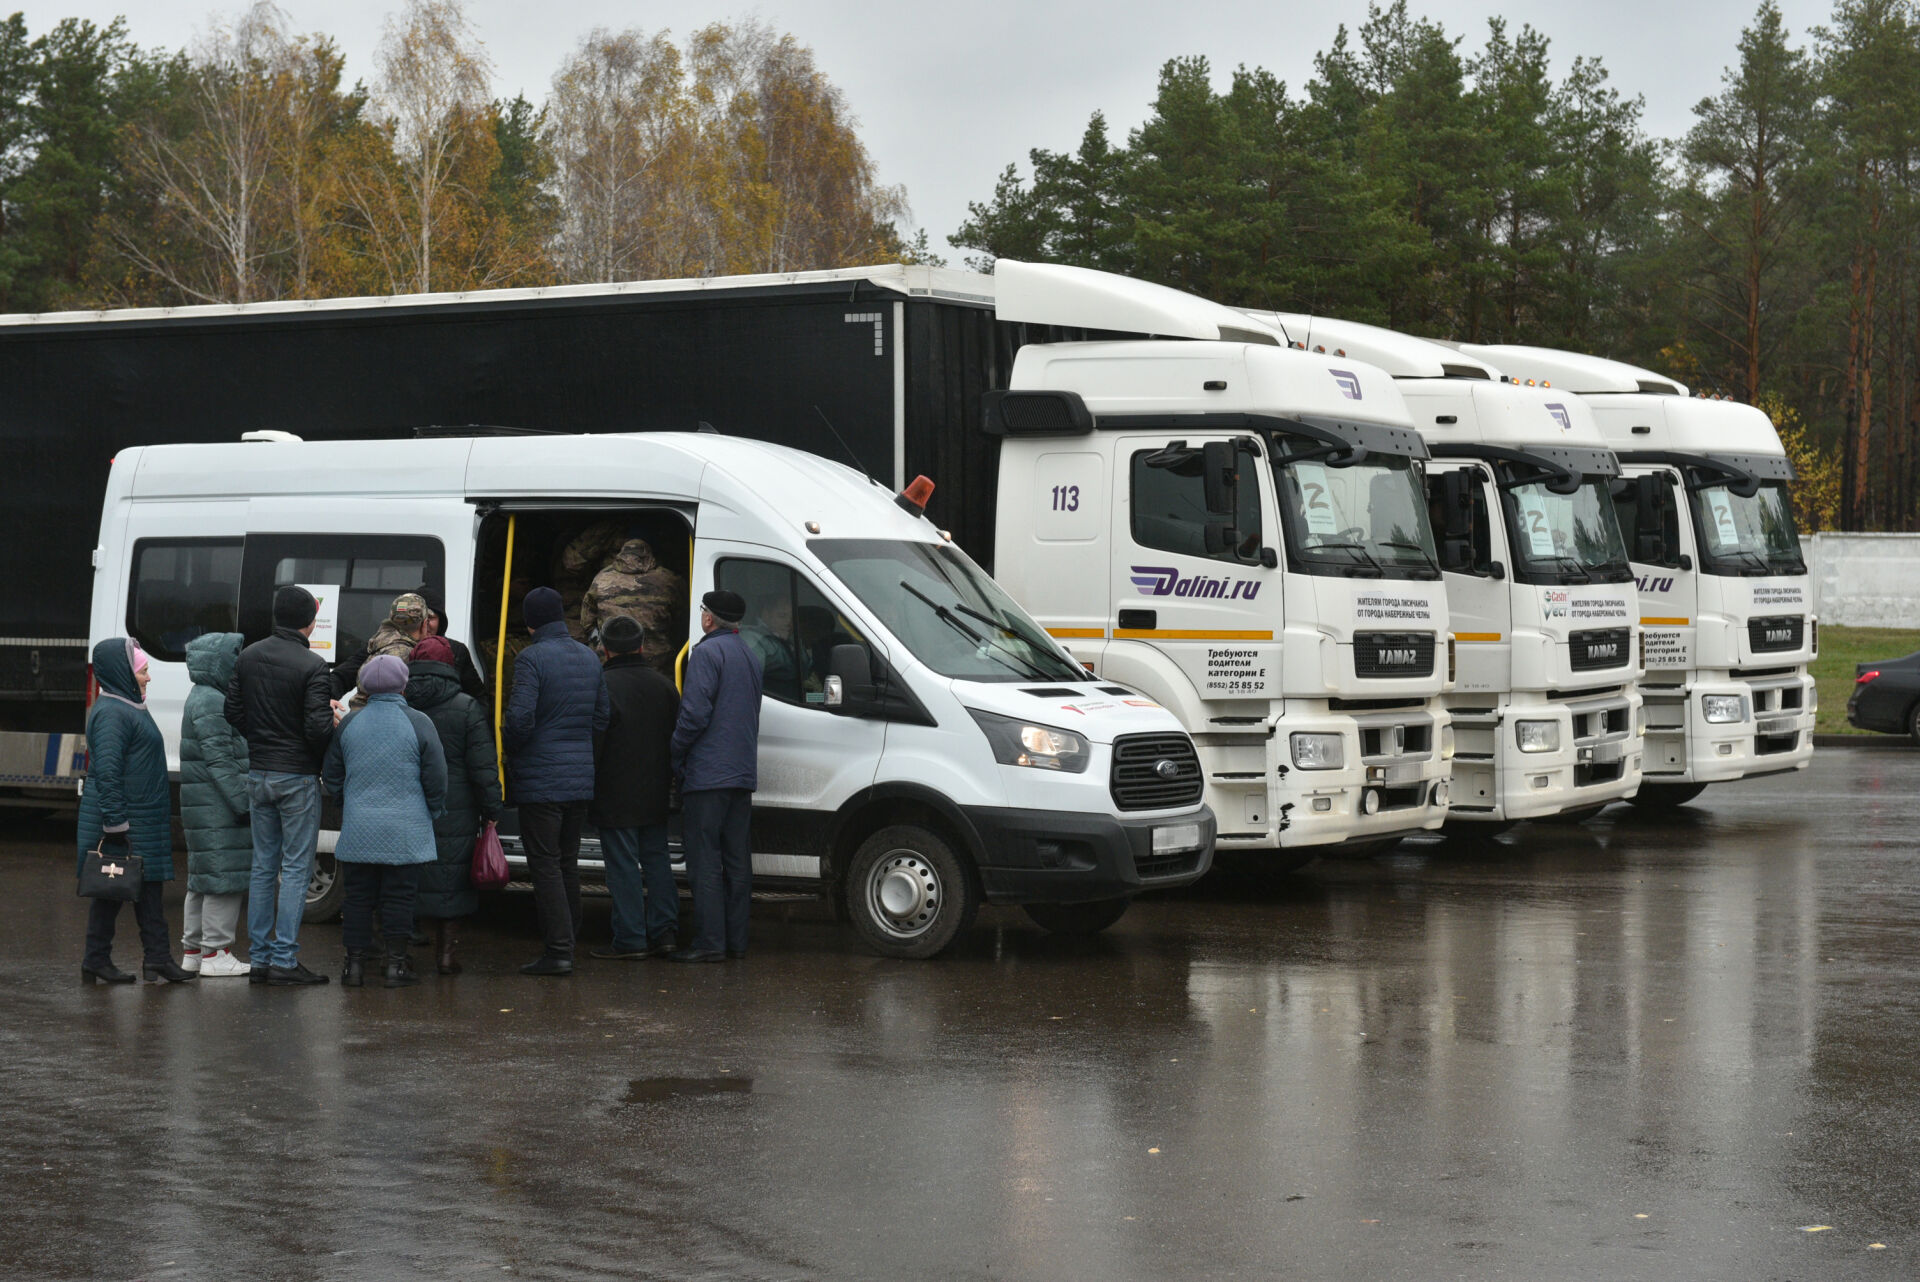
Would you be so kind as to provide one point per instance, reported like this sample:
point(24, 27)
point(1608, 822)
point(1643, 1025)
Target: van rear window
point(181, 589)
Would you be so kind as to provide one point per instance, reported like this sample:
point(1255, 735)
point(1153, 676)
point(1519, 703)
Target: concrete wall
point(1865, 580)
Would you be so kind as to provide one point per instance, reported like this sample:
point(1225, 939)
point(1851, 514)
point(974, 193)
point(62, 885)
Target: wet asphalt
point(1651, 1046)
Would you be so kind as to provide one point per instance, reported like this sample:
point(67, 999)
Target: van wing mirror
point(1220, 474)
point(849, 685)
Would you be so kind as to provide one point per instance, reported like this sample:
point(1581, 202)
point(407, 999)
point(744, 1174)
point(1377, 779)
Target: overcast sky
point(945, 102)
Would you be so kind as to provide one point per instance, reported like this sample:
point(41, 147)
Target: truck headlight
point(1446, 742)
point(1719, 709)
point(1022, 743)
point(1537, 736)
point(1319, 752)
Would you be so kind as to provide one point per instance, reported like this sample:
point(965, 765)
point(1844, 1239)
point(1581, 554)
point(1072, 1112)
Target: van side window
point(1170, 508)
point(181, 589)
point(367, 571)
point(790, 625)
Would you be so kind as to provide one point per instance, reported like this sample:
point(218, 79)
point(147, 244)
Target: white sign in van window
point(1316, 498)
point(325, 640)
point(1536, 523)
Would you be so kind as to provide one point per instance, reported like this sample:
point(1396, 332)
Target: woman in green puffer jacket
point(213, 810)
point(125, 810)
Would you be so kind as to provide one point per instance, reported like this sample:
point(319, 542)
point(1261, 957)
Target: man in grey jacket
point(716, 745)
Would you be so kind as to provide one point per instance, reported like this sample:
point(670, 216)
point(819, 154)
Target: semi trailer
point(1547, 715)
point(1726, 603)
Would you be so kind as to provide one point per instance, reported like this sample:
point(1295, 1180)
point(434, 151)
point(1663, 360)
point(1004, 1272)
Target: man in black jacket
point(280, 699)
point(631, 777)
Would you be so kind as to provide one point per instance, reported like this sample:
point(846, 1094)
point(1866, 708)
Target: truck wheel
point(1077, 919)
point(908, 893)
point(326, 890)
point(1665, 796)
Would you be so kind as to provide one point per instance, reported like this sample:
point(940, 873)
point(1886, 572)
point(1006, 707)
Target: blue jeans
point(646, 905)
point(716, 829)
point(286, 827)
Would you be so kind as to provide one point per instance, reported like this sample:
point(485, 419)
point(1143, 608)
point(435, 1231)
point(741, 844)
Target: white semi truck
point(1237, 530)
point(1726, 603)
point(1546, 713)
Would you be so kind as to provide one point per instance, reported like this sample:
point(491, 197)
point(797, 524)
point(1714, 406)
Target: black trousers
point(715, 828)
point(550, 834)
point(390, 888)
point(149, 912)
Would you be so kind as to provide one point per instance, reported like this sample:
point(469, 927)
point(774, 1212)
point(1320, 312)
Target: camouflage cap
point(408, 607)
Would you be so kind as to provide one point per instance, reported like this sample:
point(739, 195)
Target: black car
point(1886, 696)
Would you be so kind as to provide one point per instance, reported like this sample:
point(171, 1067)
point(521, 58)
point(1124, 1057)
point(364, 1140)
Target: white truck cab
point(1238, 531)
point(1546, 713)
point(1725, 598)
point(925, 746)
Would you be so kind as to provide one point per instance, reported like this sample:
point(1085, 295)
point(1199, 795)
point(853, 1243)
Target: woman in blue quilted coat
point(125, 807)
point(388, 770)
point(213, 810)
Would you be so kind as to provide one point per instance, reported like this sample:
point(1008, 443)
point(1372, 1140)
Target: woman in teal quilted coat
point(125, 808)
point(388, 770)
point(213, 810)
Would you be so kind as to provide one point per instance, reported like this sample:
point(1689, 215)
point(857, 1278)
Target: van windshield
point(946, 611)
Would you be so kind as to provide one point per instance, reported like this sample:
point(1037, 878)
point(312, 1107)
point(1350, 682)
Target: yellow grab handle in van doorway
point(680, 667)
point(500, 663)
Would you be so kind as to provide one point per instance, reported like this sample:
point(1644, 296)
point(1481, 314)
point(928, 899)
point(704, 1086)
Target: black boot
point(354, 973)
point(169, 970)
point(447, 938)
point(399, 964)
point(105, 973)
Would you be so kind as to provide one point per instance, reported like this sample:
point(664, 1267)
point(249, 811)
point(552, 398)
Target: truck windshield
point(946, 611)
point(1566, 538)
point(1749, 537)
point(1366, 520)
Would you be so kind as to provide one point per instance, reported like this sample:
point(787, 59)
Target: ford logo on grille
point(1165, 769)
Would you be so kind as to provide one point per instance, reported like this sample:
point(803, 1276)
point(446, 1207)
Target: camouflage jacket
point(638, 586)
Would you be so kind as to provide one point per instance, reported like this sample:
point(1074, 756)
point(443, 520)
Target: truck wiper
point(1570, 563)
point(986, 646)
point(1412, 547)
point(1359, 550)
point(1763, 566)
point(1616, 571)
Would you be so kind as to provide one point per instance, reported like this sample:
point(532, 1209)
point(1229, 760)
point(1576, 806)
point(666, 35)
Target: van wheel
point(326, 890)
point(1077, 919)
point(1665, 796)
point(908, 893)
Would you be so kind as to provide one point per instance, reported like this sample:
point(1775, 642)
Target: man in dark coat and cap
point(716, 748)
point(632, 781)
point(559, 704)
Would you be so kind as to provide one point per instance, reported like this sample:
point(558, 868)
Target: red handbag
point(489, 861)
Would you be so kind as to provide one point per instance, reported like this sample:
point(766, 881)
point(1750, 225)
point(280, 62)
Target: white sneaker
point(222, 965)
point(190, 958)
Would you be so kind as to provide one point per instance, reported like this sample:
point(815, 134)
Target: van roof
point(776, 483)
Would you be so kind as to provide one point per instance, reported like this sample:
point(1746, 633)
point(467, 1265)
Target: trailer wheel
point(1665, 796)
point(326, 890)
point(908, 894)
point(1077, 919)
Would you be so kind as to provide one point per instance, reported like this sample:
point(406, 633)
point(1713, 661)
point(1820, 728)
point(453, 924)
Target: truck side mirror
point(1495, 570)
point(849, 685)
point(1220, 475)
point(1686, 562)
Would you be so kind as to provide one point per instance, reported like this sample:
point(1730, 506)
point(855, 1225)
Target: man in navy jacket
point(716, 746)
point(559, 703)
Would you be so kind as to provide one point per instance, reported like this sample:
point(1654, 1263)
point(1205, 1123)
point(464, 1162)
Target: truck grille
point(1785, 632)
point(1601, 648)
point(1392, 654)
point(1140, 783)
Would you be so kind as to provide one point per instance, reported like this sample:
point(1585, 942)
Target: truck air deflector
point(1570, 464)
point(1051, 294)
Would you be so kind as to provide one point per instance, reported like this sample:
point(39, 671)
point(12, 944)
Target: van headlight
point(1720, 709)
point(1319, 752)
point(1022, 743)
point(1537, 736)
